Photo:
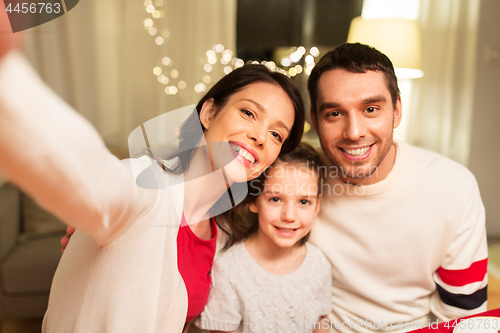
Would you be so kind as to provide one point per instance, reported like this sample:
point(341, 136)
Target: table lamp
point(397, 38)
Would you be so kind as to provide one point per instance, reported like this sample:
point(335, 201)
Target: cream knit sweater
point(119, 273)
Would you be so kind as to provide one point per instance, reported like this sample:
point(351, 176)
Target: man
point(403, 227)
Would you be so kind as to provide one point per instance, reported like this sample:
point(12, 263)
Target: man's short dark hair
point(356, 58)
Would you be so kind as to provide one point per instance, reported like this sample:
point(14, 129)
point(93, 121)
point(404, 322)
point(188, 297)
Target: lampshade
point(397, 38)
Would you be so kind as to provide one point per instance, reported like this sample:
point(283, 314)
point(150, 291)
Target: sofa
point(29, 254)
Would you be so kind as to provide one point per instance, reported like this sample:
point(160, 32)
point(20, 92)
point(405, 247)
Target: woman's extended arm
point(57, 157)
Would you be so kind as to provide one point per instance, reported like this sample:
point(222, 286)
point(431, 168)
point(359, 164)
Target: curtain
point(107, 58)
point(442, 101)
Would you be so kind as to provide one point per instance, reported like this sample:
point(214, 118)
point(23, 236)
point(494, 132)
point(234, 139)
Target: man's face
point(355, 121)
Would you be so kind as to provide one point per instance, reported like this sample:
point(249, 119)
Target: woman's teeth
point(245, 154)
point(357, 152)
point(286, 230)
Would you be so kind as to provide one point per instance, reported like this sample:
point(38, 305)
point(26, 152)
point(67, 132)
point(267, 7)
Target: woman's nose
point(258, 135)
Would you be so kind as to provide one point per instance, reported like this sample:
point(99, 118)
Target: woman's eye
point(275, 199)
point(277, 136)
point(247, 113)
point(305, 202)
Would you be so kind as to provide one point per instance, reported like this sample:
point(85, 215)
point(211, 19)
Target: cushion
point(36, 221)
point(31, 266)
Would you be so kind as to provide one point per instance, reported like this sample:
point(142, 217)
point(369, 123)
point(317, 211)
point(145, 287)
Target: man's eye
point(305, 202)
point(334, 114)
point(275, 199)
point(277, 136)
point(371, 110)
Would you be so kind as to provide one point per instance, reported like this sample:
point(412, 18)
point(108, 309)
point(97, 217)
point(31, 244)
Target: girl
point(272, 280)
point(120, 272)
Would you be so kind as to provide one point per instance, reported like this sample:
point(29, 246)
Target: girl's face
point(254, 122)
point(287, 205)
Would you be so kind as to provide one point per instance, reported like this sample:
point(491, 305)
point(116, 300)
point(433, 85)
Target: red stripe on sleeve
point(461, 277)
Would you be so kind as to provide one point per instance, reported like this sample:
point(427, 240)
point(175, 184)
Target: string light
point(174, 73)
point(157, 71)
point(314, 51)
point(216, 53)
point(207, 68)
point(159, 40)
point(166, 61)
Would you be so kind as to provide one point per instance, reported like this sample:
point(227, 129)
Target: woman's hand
point(65, 239)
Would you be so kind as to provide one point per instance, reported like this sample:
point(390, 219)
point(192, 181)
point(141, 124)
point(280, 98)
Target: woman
point(120, 273)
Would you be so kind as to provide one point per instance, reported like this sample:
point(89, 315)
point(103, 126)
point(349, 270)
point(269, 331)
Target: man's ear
point(314, 121)
point(207, 112)
point(397, 113)
point(318, 205)
point(253, 207)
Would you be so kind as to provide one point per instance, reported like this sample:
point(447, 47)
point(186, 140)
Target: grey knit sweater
point(246, 298)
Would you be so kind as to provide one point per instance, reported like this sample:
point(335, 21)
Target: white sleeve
point(462, 279)
point(223, 311)
point(52, 153)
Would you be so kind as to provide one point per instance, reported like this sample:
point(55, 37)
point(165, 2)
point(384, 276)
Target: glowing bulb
point(308, 70)
point(207, 68)
point(309, 59)
point(152, 31)
point(224, 61)
point(227, 57)
point(218, 48)
point(166, 61)
point(148, 23)
point(150, 9)
point(301, 50)
point(239, 63)
point(200, 87)
point(299, 69)
point(159, 3)
point(162, 13)
point(174, 73)
point(210, 54)
point(307, 127)
point(159, 40)
point(147, 3)
point(156, 14)
point(314, 51)
point(295, 56)
point(172, 90)
point(165, 33)
point(207, 79)
point(212, 60)
point(228, 69)
point(181, 85)
point(255, 62)
point(229, 52)
point(292, 71)
point(157, 71)
point(271, 65)
point(286, 62)
point(161, 78)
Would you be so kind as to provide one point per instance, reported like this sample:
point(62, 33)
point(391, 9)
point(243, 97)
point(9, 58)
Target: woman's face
point(254, 123)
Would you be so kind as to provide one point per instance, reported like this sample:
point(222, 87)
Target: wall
point(484, 159)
